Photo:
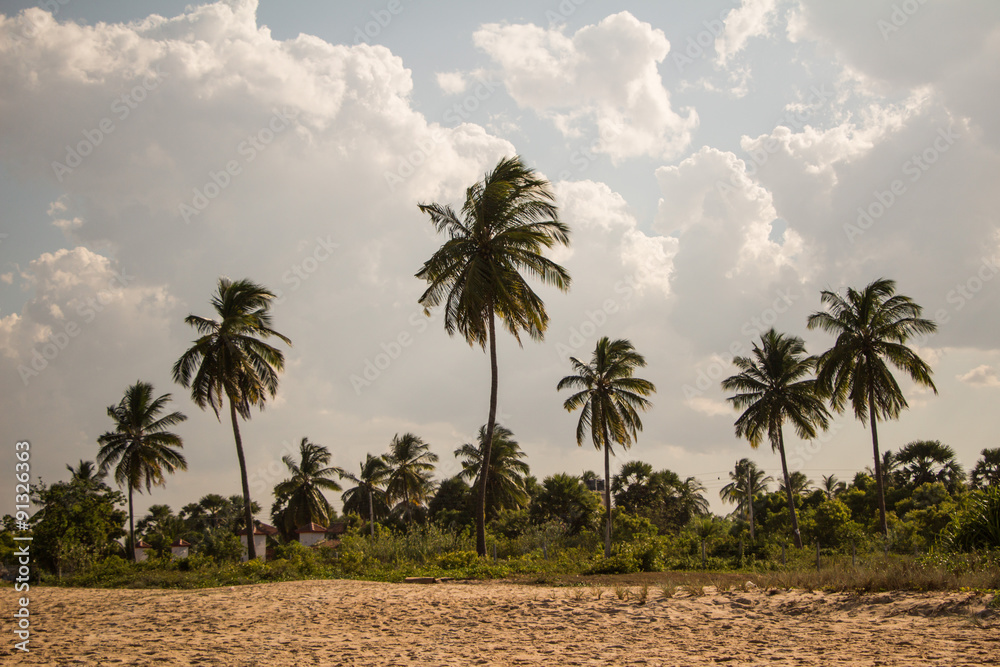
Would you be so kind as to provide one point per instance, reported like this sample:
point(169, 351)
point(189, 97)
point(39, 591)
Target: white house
point(141, 551)
point(310, 534)
point(179, 549)
point(260, 534)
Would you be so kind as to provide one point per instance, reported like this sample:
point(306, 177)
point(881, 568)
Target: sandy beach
point(365, 623)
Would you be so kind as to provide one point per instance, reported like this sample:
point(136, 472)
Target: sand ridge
point(371, 623)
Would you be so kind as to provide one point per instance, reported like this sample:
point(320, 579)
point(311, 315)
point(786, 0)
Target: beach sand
point(457, 623)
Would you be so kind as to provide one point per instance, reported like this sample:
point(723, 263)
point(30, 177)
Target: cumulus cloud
point(749, 20)
point(981, 376)
point(604, 77)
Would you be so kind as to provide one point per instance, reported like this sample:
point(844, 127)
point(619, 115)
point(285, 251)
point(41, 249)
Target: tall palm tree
point(832, 487)
point(410, 466)
point(506, 222)
point(872, 327)
point(302, 494)
point(229, 360)
point(747, 482)
point(610, 397)
point(140, 444)
point(924, 461)
point(507, 469)
point(369, 492)
point(772, 387)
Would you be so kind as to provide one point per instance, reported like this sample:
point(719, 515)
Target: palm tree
point(507, 221)
point(832, 487)
point(692, 496)
point(772, 388)
point(229, 360)
point(141, 445)
point(302, 494)
point(410, 464)
point(925, 461)
point(507, 469)
point(610, 397)
point(986, 472)
point(799, 484)
point(872, 327)
point(747, 481)
point(369, 492)
point(87, 474)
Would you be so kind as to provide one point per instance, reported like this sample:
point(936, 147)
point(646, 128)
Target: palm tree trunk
point(131, 526)
point(371, 511)
point(878, 463)
point(607, 493)
point(788, 488)
point(488, 445)
point(750, 501)
point(247, 512)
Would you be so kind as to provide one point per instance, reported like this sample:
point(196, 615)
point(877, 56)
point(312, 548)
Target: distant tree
point(507, 470)
point(611, 398)
point(747, 481)
point(986, 473)
point(453, 502)
point(301, 497)
point(410, 464)
point(368, 497)
point(800, 484)
point(926, 461)
point(872, 327)
point(140, 447)
point(564, 498)
point(77, 524)
point(87, 473)
point(831, 487)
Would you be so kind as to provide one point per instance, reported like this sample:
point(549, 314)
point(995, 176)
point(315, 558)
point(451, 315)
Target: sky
point(719, 164)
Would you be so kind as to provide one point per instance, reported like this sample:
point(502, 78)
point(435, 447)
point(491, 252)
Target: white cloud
point(451, 83)
point(981, 376)
point(602, 77)
point(749, 20)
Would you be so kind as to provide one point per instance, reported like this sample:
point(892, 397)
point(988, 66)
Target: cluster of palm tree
point(872, 327)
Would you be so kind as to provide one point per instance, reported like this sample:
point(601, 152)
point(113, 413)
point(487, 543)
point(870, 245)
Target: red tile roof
point(181, 543)
point(311, 528)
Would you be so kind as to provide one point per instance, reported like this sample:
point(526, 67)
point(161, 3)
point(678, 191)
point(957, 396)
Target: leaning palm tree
point(747, 482)
point(872, 327)
point(369, 492)
point(507, 221)
point(986, 472)
point(229, 360)
point(410, 466)
point(141, 446)
point(507, 469)
point(610, 397)
point(302, 494)
point(772, 387)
